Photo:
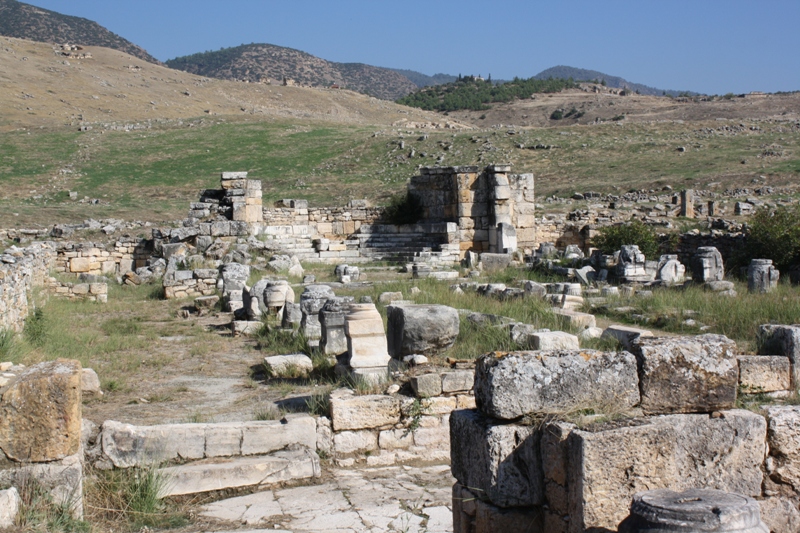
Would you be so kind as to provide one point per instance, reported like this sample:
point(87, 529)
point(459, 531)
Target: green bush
point(558, 114)
point(773, 234)
point(403, 208)
point(612, 238)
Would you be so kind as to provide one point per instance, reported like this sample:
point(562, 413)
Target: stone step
point(254, 471)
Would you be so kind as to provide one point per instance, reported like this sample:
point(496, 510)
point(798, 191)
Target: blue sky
point(710, 46)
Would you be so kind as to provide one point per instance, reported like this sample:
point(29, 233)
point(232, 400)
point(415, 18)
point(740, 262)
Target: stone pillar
point(244, 197)
point(506, 238)
point(670, 270)
point(662, 511)
point(707, 265)
point(712, 208)
point(367, 350)
point(311, 303)
point(762, 276)
point(332, 320)
point(687, 203)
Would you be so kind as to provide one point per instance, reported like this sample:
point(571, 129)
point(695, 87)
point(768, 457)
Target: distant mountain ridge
point(423, 80)
point(256, 62)
point(25, 21)
point(562, 71)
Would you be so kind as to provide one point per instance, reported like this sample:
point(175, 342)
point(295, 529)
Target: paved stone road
point(368, 500)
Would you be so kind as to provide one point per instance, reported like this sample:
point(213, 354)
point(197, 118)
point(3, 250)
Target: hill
point(25, 21)
point(262, 62)
point(616, 82)
point(423, 80)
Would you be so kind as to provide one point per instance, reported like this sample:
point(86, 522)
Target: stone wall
point(22, 269)
point(117, 258)
point(479, 201)
point(93, 292)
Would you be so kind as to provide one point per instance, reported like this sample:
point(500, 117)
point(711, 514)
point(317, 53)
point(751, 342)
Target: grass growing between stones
point(128, 499)
point(735, 317)
point(40, 512)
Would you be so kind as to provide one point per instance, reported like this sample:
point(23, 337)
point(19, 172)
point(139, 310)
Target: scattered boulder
point(421, 329)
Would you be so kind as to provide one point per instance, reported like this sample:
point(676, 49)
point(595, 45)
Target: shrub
point(404, 208)
point(558, 114)
point(611, 238)
point(35, 330)
point(773, 234)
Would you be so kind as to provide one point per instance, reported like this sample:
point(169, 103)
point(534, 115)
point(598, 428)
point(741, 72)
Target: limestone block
point(608, 466)
point(90, 384)
point(490, 518)
point(764, 373)
point(83, 264)
point(286, 465)
point(511, 385)
point(784, 443)
point(625, 334)
point(554, 340)
point(500, 461)
point(426, 385)
point(291, 366)
point(62, 480)
point(707, 265)
point(40, 413)
point(366, 340)
point(780, 514)
point(707, 367)
point(127, 445)
point(493, 262)
point(271, 435)
point(762, 276)
point(781, 340)
point(9, 507)
point(223, 440)
point(576, 319)
point(458, 381)
point(421, 329)
point(345, 442)
point(363, 412)
point(395, 439)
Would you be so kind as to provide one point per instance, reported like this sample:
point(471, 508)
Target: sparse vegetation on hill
point(475, 93)
point(266, 62)
point(25, 21)
point(423, 80)
point(616, 82)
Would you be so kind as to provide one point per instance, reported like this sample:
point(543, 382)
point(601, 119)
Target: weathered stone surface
point(292, 365)
point(127, 445)
point(345, 442)
point(576, 319)
point(781, 340)
point(663, 511)
point(784, 443)
point(707, 265)
point(366, 339)
point(278, 467)
point(421, 329)
point(670, 270)
point(62, 480)
point(426, 385)
point(458, 381)
point(500, 461)
point(606, 467)
point(493, 262)
point(687, 374)
point(625, 334)
point(780, 515)
point(508, 386)
point(363, 412)
point(764, 373)
point(9, 507)
point(762, 276)
point(554, 340)
point(40, 413)
point(90, 384)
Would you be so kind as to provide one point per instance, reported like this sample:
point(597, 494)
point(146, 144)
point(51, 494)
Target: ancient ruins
point(557, 437)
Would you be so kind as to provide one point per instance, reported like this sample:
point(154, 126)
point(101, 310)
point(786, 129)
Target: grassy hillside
point(154, 174)
point(562, 71)
point(25, 21)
